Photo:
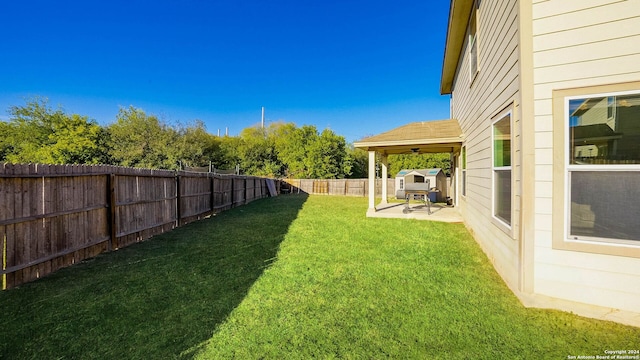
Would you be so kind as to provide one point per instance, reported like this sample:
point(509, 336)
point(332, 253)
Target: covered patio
point(439, 212)
point(438, 136)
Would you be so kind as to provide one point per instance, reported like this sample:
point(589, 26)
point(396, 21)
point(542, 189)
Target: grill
point(420, 189)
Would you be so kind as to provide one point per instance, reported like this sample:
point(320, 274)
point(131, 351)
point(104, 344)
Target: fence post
point(111, 216)
point(178, 201)
point(233, 190)
point(246, 201)
point(212, 187)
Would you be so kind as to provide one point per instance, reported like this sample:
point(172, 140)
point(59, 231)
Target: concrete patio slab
point(418, 211)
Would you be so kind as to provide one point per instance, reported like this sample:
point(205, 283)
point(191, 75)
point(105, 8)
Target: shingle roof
point(423, 136)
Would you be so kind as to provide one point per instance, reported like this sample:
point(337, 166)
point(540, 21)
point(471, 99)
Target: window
point(603, 174)
point(597, 132)
point(401, 184)
point(473, 41)
point(501, 139)
point(463, 162)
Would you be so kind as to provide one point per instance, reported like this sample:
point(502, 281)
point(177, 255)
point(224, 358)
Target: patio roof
point(439, 136)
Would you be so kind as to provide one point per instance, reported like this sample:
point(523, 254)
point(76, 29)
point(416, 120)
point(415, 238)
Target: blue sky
point(357, 67)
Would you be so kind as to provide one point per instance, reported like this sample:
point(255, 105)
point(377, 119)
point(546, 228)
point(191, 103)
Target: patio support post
point(385, 165)
point(372, 181)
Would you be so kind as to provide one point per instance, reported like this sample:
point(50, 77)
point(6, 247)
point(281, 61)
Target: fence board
point(196, 195)
point(10, 249)
point(46, 267)
point(222, 193)
point(145, 204)
point(250, 189)
point(4, 183)
point(20, 230)
point(239, 191)
point(343, 187)
point(52, 216)
point(306, 186)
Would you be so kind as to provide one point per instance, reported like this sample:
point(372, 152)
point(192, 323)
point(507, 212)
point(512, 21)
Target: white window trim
point(474, 12)
point(463, 171)
point(568, 168)
point(496, 220)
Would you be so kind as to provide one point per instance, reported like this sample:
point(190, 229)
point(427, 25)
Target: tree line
point(37, 133)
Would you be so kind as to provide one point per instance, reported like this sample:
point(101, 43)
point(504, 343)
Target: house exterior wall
point(596, 114)
point(476, 104)
point(578, 44)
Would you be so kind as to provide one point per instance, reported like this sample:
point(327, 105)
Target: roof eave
point(376, 144)
point(459, 11)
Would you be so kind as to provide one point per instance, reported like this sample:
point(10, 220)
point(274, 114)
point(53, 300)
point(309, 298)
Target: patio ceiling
point(439, 136)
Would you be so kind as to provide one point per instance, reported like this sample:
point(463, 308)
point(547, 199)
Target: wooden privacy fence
point(346, 187)
point(52, 216)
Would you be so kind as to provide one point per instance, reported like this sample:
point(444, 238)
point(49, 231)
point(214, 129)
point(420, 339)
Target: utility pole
point(263, 117)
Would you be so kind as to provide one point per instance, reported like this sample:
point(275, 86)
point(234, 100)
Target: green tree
point(325, 156)
point(292, 146)
point(359, 162)
point(6, 134)
point(141, 140)
point(257, 152)
point(229, 153)
point(38, 134)
point(196, 147)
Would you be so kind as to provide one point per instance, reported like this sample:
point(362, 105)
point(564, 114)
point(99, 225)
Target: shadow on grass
point(157, 299)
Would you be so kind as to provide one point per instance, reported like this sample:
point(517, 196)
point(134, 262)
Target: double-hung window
point(501, 139)
point(603, 167)
point(600, 170)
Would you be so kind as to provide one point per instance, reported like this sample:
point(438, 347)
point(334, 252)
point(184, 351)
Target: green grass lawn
point(293, 277)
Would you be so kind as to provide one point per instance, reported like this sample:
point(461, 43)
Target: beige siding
point(577, 44)
point(615, 48)
point(476, 105)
